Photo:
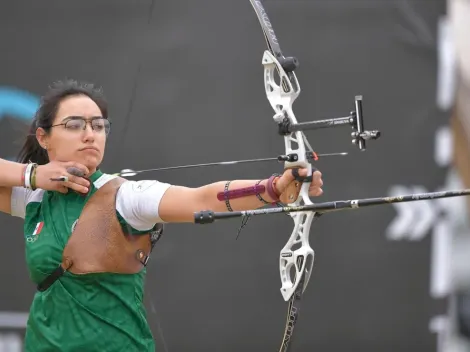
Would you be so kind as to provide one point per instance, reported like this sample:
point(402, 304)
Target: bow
point(282, 89)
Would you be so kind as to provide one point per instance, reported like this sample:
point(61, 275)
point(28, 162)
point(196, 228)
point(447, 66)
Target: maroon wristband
point(270, 189)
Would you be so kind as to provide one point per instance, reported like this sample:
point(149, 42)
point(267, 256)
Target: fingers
point(73, 178)
point(317, 180)
point(63, 189)
point(76, 187)
point(76, 169)
point(315, 192)
point(315, 189)
point(78, 184)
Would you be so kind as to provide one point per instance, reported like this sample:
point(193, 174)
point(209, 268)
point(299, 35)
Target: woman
point(55, 180)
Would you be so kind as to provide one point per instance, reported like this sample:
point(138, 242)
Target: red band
point(271, 190)
point(241, 192)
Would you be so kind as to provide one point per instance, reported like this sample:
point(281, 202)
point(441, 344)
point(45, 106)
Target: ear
point(42, 137)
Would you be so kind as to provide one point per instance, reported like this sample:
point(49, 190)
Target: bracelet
point(27, 175)
point(227, 202)
point(33, 178)
point(270, 187)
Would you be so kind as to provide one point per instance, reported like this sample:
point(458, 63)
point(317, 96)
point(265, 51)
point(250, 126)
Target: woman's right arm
point(10, 176)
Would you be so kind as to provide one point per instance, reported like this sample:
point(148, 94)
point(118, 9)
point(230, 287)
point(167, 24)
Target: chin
point(92, 163)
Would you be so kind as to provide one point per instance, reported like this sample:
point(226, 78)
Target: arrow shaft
point(280, 158)
point(219, 163)
point(204, 217)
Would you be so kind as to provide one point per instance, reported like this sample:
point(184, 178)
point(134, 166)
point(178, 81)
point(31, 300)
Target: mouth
point(90, 148)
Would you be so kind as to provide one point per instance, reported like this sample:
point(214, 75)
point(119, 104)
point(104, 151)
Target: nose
point(88, 133)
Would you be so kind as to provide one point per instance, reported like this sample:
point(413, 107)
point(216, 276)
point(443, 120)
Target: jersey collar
point(96, 175)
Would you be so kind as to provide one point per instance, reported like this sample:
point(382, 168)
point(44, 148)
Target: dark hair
point(45, 115)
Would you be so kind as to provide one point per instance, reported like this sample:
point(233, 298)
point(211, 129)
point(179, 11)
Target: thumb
point(288, 177)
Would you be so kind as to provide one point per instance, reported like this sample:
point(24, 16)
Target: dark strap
point(295, 173)
point(53, 277)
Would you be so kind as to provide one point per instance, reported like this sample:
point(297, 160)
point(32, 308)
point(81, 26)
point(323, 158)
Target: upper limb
point(180, 203)
point(5, 200)
point(144, 203)
point(10, 176)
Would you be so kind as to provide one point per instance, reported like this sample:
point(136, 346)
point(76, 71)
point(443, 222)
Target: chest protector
point(98, 243)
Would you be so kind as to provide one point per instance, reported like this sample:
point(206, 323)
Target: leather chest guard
point(98, 243)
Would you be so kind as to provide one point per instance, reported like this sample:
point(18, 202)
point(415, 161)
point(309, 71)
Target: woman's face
point(76, 141)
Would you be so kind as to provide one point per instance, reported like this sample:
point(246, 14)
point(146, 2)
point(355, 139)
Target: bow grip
point(297, 177)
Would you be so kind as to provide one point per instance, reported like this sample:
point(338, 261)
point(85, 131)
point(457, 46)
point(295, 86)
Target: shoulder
point(140, 189)
point(22, 197)
point(137, 203)
point(130, 188)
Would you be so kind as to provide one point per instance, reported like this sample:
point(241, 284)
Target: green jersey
point(87, 312)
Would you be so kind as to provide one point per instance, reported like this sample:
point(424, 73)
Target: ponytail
point(31, 151)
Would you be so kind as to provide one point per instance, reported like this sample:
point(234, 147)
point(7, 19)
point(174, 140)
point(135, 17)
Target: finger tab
point(75, 171)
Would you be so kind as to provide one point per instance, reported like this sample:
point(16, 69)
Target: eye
point(99, 125)
point(74, 124)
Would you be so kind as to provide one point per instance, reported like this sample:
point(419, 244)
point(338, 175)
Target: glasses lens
point(75, 124)
point(101, 125)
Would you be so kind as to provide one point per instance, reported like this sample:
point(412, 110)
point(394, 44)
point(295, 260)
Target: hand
point(288, 187)
point(56, 169)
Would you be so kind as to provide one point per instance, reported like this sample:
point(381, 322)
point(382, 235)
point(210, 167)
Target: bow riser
point(296, 258)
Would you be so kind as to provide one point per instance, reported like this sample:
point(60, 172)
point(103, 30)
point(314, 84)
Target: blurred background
point(185, 83)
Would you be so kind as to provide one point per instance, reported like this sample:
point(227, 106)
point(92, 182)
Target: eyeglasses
point(77, 123)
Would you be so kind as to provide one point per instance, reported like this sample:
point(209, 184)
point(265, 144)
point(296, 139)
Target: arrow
point(280, 158)
point(425, 214)
point(404, 219)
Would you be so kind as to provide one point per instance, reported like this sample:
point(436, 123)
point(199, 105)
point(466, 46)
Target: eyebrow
point(75, 117)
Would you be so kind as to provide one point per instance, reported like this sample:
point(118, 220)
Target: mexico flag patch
point(37, 231)
point(38, 228)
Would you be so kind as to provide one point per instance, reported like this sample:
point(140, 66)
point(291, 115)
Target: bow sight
point(355, 120)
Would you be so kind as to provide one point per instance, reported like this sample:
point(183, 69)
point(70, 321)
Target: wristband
point(270, 189)
point(27, 175)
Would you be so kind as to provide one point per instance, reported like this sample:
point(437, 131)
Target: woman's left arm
point(179, 204)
